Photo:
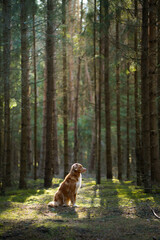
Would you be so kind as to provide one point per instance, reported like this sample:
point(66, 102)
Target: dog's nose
point(84, 169)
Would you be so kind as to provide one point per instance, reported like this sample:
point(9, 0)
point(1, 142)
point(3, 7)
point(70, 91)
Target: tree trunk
point(154, 138)
point(128, 125)
point(15, 159)
point(76, 147)
point(136, 97)
point(70, 59)
point(128, 112)
point(55, 130)
point(35, 94)
point(6, 78)
point(65, 95)
point(2, 166)
point(50, 93)
point(145, 100)
point(1, 139)
point(91, 101)
point(158, 66)
point(119, 155)
point(43, 144)
point(107, 95)
point(95, 79)
point(92, 153)
point(29, 137)
point(89, 83)
point(76, 113)
point(25, 94)
point(99, 84)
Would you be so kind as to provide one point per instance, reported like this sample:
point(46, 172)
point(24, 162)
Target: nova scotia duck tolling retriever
point(67, 190)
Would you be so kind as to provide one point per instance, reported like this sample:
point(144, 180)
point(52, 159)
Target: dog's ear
point(75, 167)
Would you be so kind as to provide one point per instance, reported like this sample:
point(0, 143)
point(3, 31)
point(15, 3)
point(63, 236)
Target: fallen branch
point(154, 213)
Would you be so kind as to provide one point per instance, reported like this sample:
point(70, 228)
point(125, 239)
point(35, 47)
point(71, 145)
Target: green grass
point(112, 210)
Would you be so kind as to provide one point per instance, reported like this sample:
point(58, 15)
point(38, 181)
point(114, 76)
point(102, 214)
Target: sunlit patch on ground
point(111, 211)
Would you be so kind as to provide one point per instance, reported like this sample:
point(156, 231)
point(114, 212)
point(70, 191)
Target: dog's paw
point(51, 204)
point(65, 205)
point(74, 205)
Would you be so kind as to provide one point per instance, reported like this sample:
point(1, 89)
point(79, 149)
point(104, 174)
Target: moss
point(112, 210)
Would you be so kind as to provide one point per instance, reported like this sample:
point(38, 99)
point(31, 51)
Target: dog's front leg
point(66, 202)
point(73, 200)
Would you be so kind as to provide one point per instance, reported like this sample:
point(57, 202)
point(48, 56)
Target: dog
point(68, 189)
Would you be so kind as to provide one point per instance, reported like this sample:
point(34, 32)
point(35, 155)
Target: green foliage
point(13, 103)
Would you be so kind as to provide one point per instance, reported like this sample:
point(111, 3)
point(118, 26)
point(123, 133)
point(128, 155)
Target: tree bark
point(128, 111)
point(43, 144)
point(119, 154)
point(50, 93)
point(6, 78)
point(2, 165)
point(89, 83)
point(158, 66)
point(95, 80)
point(136, 97)
point(128, 123)
point(55, 162)
point(107, 95)
point(65, 88)
point(29, 137)
point(25, 94)
point(145, 100)
point(76, 113)
point(99, 84)
point(71, 59)
point(76, 147)
point(91, 101)
point(154, 137)
point(1, 141)
point(35, 93)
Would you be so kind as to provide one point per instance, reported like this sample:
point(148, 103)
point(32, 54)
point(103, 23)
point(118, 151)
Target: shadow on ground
point(110, 211)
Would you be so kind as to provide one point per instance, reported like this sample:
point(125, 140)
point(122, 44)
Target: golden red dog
point(67, 190)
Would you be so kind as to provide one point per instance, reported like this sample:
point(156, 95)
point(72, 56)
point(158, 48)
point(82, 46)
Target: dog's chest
point(78, 184)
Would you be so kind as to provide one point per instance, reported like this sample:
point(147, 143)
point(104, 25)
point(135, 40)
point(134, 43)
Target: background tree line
point(79, 82)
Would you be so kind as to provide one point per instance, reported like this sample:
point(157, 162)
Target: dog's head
point(77, 167)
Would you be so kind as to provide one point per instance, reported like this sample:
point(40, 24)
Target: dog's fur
point(67, 190)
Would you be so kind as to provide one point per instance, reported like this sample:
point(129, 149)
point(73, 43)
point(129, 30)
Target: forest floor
point(110, 211)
